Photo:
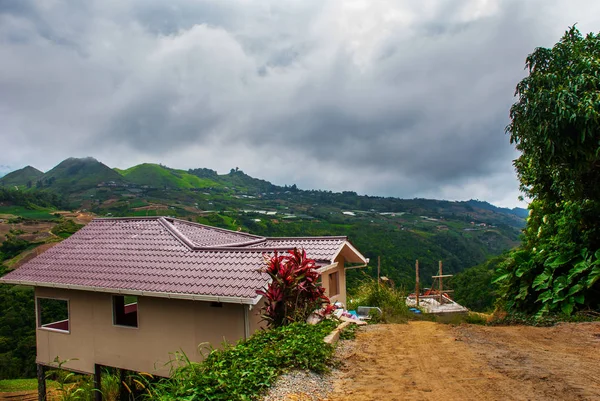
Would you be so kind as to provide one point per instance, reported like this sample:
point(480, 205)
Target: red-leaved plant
point(294, 291)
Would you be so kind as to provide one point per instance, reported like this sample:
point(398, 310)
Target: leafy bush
point(294, 291)
point(17, 332)
point(390, 300)
point(246, 370)
point(474, 287)
point(555, 125)
point(349, 333)
point(12, 246)
point(71, 386)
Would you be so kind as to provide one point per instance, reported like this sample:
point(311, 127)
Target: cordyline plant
point(293, 292)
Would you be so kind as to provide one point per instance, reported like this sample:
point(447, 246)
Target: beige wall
point(164, 326)
point(256, 322)
point(341, 297)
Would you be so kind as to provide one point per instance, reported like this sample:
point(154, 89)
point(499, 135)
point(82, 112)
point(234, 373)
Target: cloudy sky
point(398, 98)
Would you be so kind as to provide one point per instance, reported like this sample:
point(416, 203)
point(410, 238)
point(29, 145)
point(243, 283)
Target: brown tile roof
point(318, 248)
point(164, 257)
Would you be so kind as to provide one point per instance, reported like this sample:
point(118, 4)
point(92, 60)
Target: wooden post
point(123, 394)
point(378, 269)
point(97, 382)
point(441, 288)
point(417, 281)
point(41, 376)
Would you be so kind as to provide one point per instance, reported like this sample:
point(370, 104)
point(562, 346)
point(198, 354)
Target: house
point(130, 291)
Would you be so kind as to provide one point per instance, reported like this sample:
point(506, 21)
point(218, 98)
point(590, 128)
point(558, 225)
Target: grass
point(32, 214)
point(516, 318)
point(391, 300)
point(7, 386)
point(158, 176)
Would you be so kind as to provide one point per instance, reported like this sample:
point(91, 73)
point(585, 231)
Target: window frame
point(38, 315)
point(114, 316)
point(336, 282)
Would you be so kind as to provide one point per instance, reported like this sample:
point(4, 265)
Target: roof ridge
point(229, 248)
point(176, 233)
point(344, 237)
point(193, 223)
point(128, 218)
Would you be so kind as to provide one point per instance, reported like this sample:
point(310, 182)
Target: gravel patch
point(301, 385)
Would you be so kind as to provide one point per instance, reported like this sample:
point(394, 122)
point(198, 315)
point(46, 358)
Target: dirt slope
point(429, 361)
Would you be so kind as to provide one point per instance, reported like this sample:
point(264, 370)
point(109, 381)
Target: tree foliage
point(473, 287)
point(556, 125)
point(294, 291)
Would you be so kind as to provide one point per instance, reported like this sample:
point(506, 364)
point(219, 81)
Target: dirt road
point(431, 361)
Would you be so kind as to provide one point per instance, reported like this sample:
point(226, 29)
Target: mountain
point(462, 234)
point(75, 175)
point(159, 176)
point(27, 176)
point(244, 183)
point(517, 211)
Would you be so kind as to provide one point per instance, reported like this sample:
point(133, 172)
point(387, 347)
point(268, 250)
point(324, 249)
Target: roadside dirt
point(431, 361)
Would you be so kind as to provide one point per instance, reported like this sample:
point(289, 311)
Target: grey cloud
point(395, 98)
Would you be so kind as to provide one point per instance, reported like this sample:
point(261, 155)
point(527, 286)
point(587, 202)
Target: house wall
point(164, 326)
point(254, 314)
point(341, 297)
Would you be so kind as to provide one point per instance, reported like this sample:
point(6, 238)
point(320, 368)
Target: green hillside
point(73, 175)
point(240, 181)
point(463, 234)
point(25, 177)
point(158, 176)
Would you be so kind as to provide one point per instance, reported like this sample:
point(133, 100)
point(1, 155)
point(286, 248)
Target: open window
point(334, 284)
point(125, 310)
point(53, 314)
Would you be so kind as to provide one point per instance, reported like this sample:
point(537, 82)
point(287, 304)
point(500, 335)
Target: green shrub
point(520, 318)
point(349, 333)
point(246, 370)
point(66, 228)
point(390, 300)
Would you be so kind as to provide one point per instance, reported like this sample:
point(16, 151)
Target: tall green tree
point(555, 123)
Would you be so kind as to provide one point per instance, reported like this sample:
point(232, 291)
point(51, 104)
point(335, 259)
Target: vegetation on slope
point(31, 200)
point(17, 332)
point(555, 125)
point(25, 177)
point(158, 176)
point(244, 371)
point(73, 175)
point(475, 288)
point(384, 295)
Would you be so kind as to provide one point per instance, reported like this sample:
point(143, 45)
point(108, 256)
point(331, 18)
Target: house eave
point(324, 269)
point(170, 295)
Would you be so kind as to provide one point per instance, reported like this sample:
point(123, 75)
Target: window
point(53, 314)
point(334, 284)
point(125, 310)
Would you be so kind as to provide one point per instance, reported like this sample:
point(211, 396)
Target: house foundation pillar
point(41, 377)
point(97, 382)
point(123, 393)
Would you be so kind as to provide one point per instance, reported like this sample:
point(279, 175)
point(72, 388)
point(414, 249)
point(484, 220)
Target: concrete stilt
point(41, 376)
